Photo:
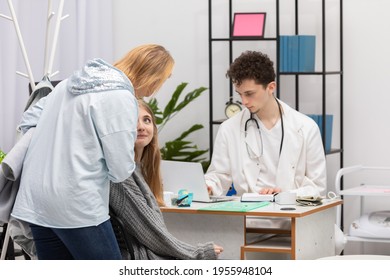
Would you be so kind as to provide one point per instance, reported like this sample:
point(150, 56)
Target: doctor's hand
point(209, 190)
point(218, 249)
point(270, 190)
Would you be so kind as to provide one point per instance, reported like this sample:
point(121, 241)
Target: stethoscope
point(251, 118)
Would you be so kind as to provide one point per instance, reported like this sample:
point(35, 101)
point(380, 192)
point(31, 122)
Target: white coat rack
point(49, 53)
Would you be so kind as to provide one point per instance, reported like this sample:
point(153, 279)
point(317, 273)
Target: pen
point(181, 199)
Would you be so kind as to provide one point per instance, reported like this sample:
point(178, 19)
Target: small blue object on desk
point(231, 191)
point(184, 198)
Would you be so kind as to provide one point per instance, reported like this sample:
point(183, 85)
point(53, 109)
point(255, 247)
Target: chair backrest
point(124, 240)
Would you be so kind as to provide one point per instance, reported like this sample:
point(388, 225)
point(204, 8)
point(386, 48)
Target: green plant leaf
point(173, 107)
point(190, 97)
point(179, 149)
point(182, 151)
point(170, 107)
point(153, 104)
point(195, 127)
point(2, 155)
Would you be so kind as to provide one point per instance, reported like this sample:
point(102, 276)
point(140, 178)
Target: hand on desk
point(218, 249)
point(270, 190)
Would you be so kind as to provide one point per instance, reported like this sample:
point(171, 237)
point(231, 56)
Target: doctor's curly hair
point(252, 65)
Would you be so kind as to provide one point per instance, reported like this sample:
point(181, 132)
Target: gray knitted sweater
point(133, 201)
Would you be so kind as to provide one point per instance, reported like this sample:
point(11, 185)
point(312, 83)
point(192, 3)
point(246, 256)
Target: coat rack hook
point(55, 73)
point(22, 74)
point(6, 17)
point(51, 15)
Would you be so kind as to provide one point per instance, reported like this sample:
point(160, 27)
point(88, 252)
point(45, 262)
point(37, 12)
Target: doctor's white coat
point(301, 167)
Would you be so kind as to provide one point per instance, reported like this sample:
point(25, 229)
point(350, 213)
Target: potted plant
point(180, 148)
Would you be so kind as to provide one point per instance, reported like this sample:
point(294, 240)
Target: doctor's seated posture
point(268, 147)
point(136, 202)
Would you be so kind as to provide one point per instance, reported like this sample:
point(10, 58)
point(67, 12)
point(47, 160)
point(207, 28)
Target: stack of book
point(297, 53)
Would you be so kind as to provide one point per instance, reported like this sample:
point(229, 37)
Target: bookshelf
point(322, 73)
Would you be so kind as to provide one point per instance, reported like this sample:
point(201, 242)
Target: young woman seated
point(136, 202)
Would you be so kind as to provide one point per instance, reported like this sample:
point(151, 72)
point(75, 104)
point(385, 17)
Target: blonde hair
point(151, 159)
point(147, 67)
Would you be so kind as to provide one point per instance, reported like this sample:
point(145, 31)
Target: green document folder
point(235, 206)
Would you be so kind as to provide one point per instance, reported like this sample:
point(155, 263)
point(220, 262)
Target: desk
point(311, 235)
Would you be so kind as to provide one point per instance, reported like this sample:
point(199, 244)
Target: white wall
point(182, 27)
point(366, 109)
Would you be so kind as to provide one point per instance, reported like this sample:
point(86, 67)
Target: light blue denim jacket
point(84, 137)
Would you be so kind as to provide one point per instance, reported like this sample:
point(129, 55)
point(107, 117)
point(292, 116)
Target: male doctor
point(268, 147)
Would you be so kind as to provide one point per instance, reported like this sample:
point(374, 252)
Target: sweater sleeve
point(146, 223)
point(31, 117)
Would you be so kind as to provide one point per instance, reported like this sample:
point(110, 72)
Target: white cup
point(286, 198)
point(168, 198)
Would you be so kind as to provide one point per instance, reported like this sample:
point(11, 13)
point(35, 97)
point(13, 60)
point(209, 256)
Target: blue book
point(293, 46)
point(286, 63)
point(328, 128)
point(289, 55)
point(307, 46)
point(283, 53)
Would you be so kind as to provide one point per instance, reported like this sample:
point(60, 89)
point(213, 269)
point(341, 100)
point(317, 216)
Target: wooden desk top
point(273, 209)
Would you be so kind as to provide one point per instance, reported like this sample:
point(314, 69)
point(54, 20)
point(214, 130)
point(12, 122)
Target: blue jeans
point(88, 243)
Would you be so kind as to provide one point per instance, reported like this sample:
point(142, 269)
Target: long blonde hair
point(147, 67)
point(151, 159)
